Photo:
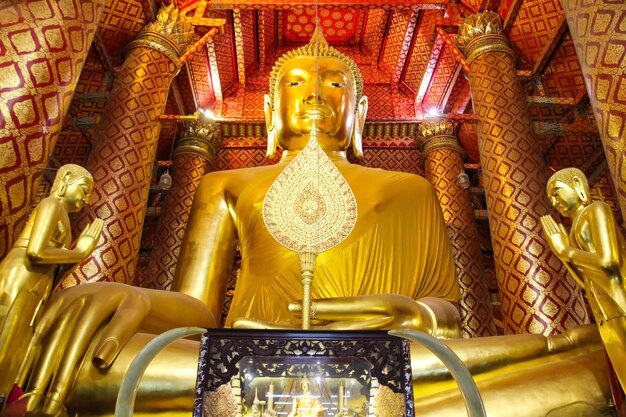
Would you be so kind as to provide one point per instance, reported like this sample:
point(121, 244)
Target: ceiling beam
point(406, 47)
point(323, 4)
point(239, 49)
point(429, 72)
point(443, 101)
point(102, 53)
point(510, 17)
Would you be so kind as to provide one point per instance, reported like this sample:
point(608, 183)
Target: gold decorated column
point(43, 47)
point(123, 151)
point(443, 162)
point(193, 157)
point(598, 30)
point(537, 295)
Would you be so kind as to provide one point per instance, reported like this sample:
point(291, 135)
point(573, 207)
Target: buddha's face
point(320, 91)
point(77, 193)
point(563, 197)
point(305, 387)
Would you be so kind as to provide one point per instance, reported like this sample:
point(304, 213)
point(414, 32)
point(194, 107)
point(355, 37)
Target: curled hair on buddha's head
point(317, 48)
point(569, 176)
point(68, 174)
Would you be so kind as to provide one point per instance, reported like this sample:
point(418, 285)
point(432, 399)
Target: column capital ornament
point(481, 33)
point(171, 34)
point(200, 138)
point(438, 134)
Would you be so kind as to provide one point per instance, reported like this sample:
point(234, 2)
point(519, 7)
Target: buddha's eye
point(336, 84)
point(294, 83)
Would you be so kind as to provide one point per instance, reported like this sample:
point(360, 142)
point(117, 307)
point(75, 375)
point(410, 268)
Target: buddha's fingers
point(84, 328)
point(354, 308)
point(56, 341)
point(96, 228)
point(244, 323)
point(129, 315)
point(368, 324)
point(548, 224)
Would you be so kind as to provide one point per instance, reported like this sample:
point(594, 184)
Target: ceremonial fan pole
point(309, 208)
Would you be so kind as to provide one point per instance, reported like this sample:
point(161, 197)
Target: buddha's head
point(315, 84)
point(73, 185)
point(567, 190)
point(305, 386)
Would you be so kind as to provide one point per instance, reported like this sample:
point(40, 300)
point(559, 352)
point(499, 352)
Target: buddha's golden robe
point(399, 245)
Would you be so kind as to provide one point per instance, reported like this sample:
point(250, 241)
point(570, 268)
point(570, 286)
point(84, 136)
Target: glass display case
point(303, 374)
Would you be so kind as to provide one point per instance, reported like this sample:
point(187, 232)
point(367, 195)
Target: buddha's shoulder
point(237, 176)
point(387, 178)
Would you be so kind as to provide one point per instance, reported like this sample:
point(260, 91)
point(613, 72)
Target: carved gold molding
point(437, 135)
point(171, 34)
point(203, 139)
point(481, 33)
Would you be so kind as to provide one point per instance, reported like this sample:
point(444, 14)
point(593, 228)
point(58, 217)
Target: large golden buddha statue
point(397, 253)
point(398, 246)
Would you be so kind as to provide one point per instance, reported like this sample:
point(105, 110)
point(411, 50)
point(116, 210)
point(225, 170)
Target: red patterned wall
point(563, 77)
point(122, 21)
point(466, 133)
point(394, 153)
point(380, 100)
point(570, 151)
point(533, 27)
point(604, 190)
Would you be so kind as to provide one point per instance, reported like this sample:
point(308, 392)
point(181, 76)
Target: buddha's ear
point(66, 181)
point(580, 190)
point(270, 126)
point(359, 127)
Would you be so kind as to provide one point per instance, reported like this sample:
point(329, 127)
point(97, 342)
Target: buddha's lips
point(314, 114)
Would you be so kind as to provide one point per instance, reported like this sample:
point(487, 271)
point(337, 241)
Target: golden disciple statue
point(305, 404)
point(30, 269)
point(397, 253)
point(595, 254)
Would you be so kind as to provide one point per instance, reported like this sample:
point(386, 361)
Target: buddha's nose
point(314, 98)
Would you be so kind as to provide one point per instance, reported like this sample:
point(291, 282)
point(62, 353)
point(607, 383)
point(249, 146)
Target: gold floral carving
point(438, 135)
point(481, 33)
point(201, 138)
point(310, 206)
point(171, 34)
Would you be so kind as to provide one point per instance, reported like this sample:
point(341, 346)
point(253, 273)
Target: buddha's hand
point(371, 312)
point(89, 237)
point(557, 237)
point(69, 326)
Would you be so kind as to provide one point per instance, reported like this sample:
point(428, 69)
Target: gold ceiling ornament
point(480, 33)
point(171, 34)
point(308, 209)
